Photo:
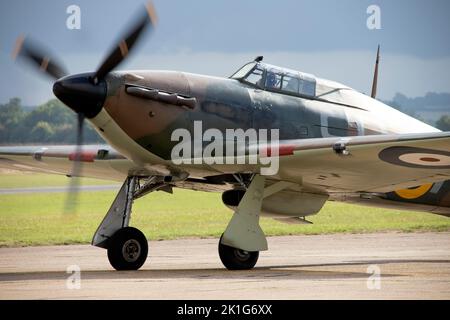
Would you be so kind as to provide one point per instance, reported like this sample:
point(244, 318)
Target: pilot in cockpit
point(271, 80)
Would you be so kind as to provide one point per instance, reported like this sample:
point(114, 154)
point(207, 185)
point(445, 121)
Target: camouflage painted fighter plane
point(335, 144)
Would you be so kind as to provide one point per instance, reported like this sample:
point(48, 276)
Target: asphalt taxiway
point(361, 266)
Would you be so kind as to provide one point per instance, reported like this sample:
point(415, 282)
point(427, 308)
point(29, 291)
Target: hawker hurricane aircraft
point(327, 142)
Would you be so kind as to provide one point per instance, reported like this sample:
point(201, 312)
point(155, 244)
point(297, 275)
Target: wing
point(99, 161)
point(379, 163)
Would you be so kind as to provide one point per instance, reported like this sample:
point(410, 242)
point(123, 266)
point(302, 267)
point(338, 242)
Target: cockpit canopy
point(272, 78)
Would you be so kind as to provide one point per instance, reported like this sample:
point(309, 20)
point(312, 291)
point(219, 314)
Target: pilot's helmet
point(271, 79)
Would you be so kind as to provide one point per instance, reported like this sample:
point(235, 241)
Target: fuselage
point(226, 103)
point(142, 109)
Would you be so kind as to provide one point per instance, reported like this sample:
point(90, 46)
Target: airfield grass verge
point(37, 218)
point(36, 180)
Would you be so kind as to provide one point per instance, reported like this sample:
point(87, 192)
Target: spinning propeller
point(83, 93)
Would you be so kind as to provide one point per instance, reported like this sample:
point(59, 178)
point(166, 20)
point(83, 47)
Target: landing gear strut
point(127, 247)
point(241, 242)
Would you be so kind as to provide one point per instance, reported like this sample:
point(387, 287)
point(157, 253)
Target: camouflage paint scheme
point(231, 104)
point(139, 127)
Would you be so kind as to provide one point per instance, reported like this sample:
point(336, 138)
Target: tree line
point(51, 122)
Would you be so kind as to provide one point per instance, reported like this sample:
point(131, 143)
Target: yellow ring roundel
point(415, 192)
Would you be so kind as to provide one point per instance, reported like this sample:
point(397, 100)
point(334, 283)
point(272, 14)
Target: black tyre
point(237, 259)
point(127, 249)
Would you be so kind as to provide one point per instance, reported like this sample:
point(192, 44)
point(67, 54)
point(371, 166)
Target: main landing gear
point(127, 247)
point(243, 238)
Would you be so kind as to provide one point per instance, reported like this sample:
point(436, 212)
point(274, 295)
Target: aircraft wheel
point(237, 259)
point(127, 249)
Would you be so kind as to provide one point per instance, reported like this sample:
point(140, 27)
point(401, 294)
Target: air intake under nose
point(80, 93)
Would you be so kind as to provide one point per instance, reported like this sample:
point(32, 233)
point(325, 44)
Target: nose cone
point(80, 94)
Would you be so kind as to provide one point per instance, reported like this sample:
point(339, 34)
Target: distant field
point(37, 219)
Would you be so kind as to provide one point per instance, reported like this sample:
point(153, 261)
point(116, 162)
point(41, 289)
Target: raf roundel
point(416, 157)
point(426, 159)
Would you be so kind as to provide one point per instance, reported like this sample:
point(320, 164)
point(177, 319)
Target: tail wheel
point(127, 249)
point(237, 259)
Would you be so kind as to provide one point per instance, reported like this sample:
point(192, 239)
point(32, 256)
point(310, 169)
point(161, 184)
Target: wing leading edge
point(99, 161)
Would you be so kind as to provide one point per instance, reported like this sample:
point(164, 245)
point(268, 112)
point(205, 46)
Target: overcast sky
point(327, 38)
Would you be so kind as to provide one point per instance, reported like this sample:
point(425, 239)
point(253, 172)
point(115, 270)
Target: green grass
point(20, 180)
point(37, 219)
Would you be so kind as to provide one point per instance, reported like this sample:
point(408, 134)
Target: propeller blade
point(74, 186)
point(375, 75)
point(39, 57)
point(122, 49)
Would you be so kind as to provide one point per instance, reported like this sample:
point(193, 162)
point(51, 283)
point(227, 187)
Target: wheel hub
point(242, 255)
point(131, 250)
